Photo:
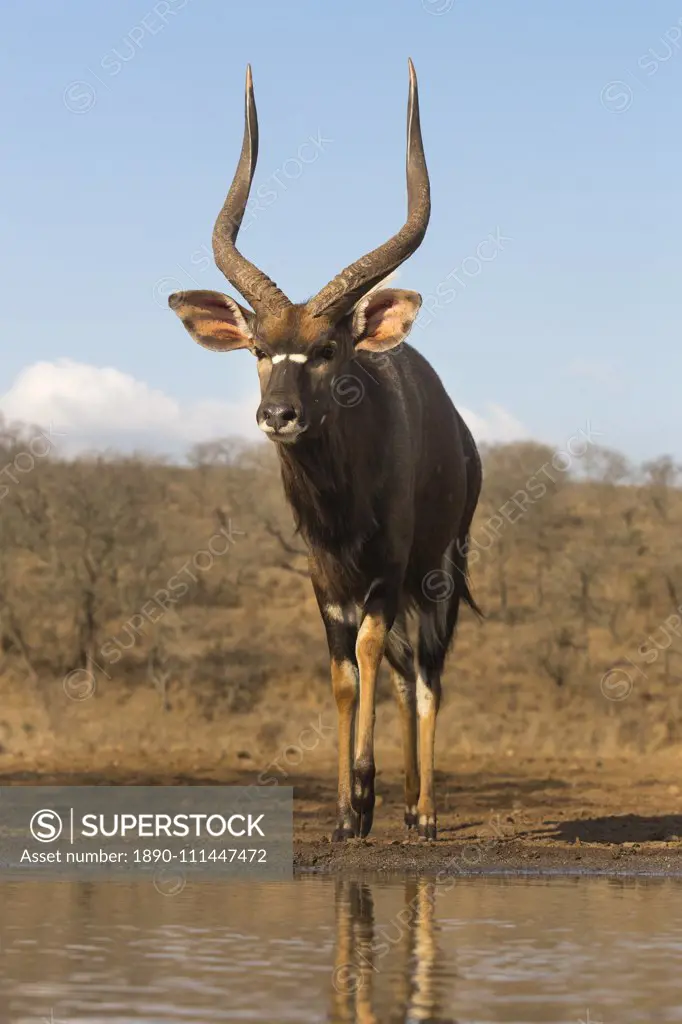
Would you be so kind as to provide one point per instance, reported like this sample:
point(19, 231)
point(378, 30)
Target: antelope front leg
point(369, 650)
point(377, 621)
point(341, 626)
point(345, 686)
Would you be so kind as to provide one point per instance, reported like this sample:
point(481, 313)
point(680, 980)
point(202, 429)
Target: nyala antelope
point(382, 489)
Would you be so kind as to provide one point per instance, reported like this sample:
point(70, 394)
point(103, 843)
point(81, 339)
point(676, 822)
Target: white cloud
point(98, 407)
point(496, 425)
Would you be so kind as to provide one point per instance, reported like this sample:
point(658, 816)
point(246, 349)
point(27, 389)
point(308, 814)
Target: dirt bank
point(621, 816)
point(618, 817)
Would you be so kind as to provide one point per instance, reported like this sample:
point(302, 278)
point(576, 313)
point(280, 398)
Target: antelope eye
point(327, 352)
point(259, 353)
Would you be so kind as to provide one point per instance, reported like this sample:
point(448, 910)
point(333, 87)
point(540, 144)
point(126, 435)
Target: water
point(479, 950)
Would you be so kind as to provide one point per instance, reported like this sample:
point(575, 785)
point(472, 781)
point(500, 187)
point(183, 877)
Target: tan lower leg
point(369, 651)
point(345, 687)
point(407, 703)
point(427, 709)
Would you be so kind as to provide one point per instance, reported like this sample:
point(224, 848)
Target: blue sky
point(554, 125)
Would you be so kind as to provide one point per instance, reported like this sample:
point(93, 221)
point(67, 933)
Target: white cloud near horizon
point(101, 407)
point(496, 425)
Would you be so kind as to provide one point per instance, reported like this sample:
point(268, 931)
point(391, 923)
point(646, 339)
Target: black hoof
point(366, 819)
point(428, 831)
point(362, 799)
point(411, 819)
point(342, 833)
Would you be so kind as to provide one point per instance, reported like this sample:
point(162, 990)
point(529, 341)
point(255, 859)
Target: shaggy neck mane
point(325, 483)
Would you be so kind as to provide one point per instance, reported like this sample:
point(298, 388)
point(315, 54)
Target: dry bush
point(583, 574)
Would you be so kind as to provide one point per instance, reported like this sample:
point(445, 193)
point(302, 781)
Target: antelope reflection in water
point(362, 952)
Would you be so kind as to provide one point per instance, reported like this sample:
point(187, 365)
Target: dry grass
point(577, 580)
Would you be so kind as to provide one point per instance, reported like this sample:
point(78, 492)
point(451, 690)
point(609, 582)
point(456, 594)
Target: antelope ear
point(384, 318)
point(214, 320)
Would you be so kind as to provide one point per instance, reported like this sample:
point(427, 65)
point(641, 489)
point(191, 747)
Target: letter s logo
point(46, 826)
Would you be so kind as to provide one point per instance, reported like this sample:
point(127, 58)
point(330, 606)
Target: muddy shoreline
point(621, 817)
point(446, 860)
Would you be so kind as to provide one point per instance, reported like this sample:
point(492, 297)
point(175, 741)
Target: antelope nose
point(278, 415)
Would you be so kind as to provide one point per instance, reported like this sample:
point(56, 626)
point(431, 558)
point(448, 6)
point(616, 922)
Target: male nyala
point(383, 490)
